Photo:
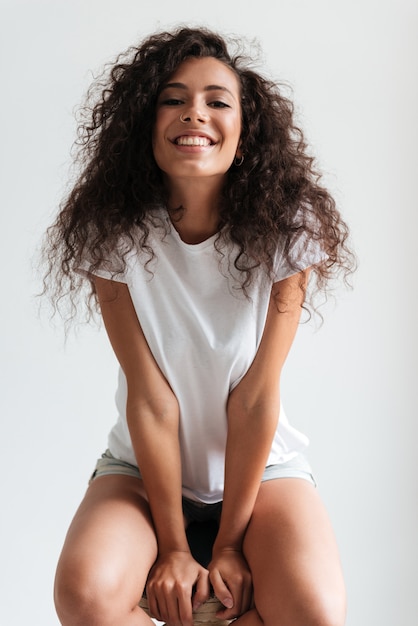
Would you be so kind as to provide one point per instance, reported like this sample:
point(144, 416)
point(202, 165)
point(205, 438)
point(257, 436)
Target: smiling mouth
point(188, 140)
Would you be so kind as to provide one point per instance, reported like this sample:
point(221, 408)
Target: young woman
point(197, 219)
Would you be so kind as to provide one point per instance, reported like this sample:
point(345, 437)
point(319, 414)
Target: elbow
point(163, 411)
point(254, 410)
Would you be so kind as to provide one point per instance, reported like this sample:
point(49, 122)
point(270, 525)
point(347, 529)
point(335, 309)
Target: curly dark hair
point(119, 181)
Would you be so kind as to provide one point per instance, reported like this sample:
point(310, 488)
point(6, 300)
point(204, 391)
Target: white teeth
point(193, 141)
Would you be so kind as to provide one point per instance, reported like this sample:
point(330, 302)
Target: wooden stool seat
point(206, 614)
point(200, 536)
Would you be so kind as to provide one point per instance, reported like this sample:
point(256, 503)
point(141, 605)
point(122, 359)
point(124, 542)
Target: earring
point(238, 161)
point(182, 120)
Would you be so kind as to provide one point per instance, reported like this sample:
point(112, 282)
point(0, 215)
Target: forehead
point(205, 71)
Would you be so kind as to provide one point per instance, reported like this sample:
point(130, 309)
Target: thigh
point(110, 545)
point(292, 553)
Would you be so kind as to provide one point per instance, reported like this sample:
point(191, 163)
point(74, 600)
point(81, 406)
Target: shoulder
point(301, 247)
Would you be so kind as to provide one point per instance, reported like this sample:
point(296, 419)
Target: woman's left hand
point(231, 581)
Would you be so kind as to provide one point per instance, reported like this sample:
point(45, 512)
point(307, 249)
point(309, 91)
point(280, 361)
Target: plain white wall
point(350, 385)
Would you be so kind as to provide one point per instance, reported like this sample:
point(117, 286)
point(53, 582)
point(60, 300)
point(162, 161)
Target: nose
point(194, 114)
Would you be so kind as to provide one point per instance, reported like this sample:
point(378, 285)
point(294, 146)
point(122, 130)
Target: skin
point(275, 560)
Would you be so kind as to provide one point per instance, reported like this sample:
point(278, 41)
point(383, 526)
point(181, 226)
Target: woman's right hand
point(171, 582)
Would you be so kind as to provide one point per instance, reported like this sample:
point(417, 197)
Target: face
point(206, 94)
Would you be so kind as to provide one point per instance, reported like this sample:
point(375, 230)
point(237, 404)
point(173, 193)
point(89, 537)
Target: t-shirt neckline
point(191, 247)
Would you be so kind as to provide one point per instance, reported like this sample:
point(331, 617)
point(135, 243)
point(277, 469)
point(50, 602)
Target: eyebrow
point(207, 88)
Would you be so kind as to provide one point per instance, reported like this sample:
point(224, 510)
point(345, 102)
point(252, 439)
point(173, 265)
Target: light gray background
point(351, 385)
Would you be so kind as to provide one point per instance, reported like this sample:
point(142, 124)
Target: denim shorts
point(297, 467)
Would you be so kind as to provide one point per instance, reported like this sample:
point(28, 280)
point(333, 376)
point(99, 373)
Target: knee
point(311, 617)
point(73, 599)
point(331, 615)
point(329, 609)
point(323, 609)
point(84, 598)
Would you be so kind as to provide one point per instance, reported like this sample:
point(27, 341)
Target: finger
point(221, 590)
point(229, 612)
point(202, 590)
point(153, 605)
point(241, 589)
point(185, 608)
point(172, 616)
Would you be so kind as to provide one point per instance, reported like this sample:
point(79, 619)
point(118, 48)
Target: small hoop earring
point(238, 161)
point(182, 120)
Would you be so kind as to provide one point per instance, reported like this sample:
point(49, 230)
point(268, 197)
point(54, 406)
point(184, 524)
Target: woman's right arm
point(153, 421)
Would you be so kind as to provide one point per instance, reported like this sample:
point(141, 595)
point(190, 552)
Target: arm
point(253, 411)
point(153, 420)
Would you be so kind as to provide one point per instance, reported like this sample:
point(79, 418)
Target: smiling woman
point(197, 136)
point(197, 219)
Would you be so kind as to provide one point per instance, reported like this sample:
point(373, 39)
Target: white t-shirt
point(203, 332)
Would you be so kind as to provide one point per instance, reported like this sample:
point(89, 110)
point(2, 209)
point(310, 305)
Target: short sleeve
point(114, 265)
point(87, 269)
point(304, 251)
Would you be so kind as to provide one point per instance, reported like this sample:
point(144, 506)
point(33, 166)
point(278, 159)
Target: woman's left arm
point(253, 413)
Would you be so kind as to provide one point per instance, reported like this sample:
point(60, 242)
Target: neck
point(199, 218)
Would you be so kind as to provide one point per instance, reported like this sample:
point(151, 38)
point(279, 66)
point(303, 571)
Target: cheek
point(235, 134)
point(234, 128)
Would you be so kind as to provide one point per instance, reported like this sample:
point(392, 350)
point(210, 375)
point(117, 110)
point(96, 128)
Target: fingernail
point(228, 603)
point(196, 606)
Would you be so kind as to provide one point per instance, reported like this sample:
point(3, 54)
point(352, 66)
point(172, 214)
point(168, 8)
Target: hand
point(170, 588)
point(231, 582)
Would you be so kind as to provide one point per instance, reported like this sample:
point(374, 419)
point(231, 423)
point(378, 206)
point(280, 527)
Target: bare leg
point(292, 553)
point(108, 552)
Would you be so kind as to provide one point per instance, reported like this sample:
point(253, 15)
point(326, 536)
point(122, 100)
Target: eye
point(171, 102)
point(219, 104)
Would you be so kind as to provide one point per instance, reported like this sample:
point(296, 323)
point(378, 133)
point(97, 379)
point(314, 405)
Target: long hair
point(275, 193)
